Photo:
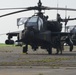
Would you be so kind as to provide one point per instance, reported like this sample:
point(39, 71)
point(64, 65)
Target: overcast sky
point(9, 23)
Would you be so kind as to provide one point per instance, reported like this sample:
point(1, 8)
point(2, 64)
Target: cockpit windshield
point(35, 21)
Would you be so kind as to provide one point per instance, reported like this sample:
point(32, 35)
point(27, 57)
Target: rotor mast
point(40, 9)
point(39, 5)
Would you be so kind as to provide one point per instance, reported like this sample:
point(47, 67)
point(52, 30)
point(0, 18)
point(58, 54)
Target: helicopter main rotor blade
point(50, 8)
point(11, 8)
point(42, 8)
point(35, 8)
point(55, 8)
point(29, 8)
point(13, 13)
point(25, 9)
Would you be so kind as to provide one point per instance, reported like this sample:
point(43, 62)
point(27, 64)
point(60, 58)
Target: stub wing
point(61, 33)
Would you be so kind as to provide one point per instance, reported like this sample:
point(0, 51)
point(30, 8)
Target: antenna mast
point(65, 19)
point(57, 5)
point(57, 10)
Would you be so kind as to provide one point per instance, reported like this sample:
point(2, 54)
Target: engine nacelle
point(54, 26)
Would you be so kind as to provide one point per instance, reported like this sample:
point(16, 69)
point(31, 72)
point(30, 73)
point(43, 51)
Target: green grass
point(2, 44)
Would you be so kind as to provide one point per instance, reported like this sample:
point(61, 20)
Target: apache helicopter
point(40, 32)
point(72, 29)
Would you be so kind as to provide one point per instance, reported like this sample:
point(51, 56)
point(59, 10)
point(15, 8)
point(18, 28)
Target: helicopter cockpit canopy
point(35, 21)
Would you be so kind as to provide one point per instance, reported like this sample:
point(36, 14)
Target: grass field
point(2, 44)
point(13, 56)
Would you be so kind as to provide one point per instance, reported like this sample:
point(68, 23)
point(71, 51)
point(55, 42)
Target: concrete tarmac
point(14, 62)
point(37, 70)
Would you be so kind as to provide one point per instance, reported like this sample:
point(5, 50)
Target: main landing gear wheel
point(25, 49)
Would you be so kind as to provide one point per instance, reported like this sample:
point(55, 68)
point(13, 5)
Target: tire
point(25, 49)
point(49, 50)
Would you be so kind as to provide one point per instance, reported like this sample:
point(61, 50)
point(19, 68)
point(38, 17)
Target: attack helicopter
point(40, 32)
point(72, 29)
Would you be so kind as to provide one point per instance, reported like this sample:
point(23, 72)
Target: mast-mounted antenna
point(39, 3)
point(65, 19)
point(57, 5)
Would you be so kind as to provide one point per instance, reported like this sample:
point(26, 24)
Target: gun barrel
point(71, 19)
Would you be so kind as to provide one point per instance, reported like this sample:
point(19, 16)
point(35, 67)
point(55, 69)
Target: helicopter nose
point(29, 33)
